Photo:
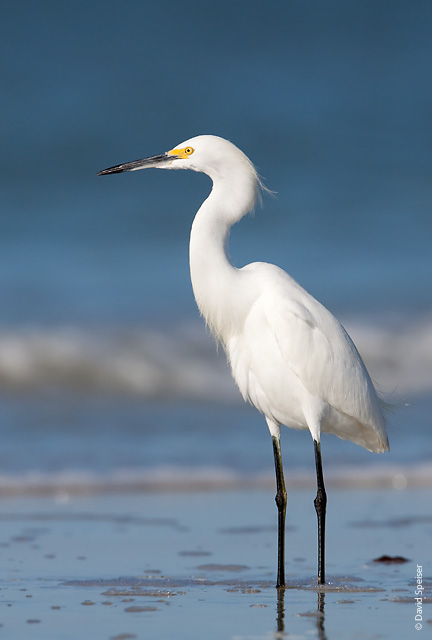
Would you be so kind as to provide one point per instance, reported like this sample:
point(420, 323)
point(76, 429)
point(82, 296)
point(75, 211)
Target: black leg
point(320, 508)
point(281, 502)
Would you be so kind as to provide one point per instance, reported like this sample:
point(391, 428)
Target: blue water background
point(331, 100)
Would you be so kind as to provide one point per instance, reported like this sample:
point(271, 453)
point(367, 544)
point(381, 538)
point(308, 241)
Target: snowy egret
point(288, 354)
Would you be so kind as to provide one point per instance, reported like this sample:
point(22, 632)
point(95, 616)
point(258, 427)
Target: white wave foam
point(398, 354)
point(173, 479)
point(183, 364)
point(147, 363)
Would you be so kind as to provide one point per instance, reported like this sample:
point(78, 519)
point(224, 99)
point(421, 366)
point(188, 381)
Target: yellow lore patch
point(181, 153)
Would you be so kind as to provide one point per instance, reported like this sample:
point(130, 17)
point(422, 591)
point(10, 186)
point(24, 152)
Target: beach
point(136, 486)
point(202, 564)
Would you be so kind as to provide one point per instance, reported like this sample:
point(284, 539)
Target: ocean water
point(108, 377)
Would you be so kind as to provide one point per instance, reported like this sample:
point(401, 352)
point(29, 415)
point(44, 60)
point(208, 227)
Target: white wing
point(318, 351)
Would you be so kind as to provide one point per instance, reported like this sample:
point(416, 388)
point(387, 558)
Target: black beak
point(145, 163)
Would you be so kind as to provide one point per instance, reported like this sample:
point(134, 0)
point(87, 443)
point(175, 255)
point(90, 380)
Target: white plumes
point(289, 356)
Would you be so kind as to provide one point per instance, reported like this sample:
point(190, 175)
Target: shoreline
point(165, 479)
point(190, 564)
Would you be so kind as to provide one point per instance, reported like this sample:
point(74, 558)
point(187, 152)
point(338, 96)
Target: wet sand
point(202, 565)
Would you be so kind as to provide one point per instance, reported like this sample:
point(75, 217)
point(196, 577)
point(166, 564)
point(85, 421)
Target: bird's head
point(229, 168)
point(208, 154)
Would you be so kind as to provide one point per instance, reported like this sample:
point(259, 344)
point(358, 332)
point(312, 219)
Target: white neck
point(215, 281)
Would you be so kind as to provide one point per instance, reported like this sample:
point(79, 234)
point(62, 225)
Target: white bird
point(288, 354)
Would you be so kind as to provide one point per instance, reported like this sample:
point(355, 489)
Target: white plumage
point(288, 354)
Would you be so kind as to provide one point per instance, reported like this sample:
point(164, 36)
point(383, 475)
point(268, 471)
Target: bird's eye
point(189, 151)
